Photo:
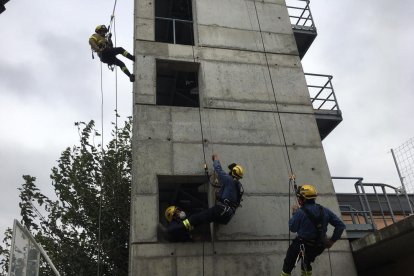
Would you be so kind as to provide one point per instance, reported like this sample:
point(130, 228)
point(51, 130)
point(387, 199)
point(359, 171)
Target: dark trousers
point(311, 252)
point(176, 232)
point(218, 213)
point(109, 57)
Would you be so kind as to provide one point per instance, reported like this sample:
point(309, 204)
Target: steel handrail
point(305, 16)
point(365, 204)
point(369, 212)
point(352, 211)
point(325, 86)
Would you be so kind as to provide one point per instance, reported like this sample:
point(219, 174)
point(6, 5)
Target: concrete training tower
point(222, 76)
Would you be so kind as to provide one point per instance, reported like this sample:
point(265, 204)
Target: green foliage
point(92, 189)
point(4, 251)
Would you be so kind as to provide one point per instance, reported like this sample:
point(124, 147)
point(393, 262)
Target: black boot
point(132, 77)
point(130, 57)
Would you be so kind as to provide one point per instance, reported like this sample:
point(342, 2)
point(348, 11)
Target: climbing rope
point(292, 178)
point(202, 138)
point(282, 137)
point(102, 176)
point(112, 17)
point(112, 23)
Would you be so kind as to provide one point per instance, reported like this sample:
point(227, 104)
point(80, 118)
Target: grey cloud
point(16, 78)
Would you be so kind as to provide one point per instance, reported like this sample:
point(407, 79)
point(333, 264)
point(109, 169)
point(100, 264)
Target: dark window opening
point(188, 193)
point(174, 22)
point(177, 83)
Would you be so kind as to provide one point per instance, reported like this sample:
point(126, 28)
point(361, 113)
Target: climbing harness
point(301, 257)
point(317, 223)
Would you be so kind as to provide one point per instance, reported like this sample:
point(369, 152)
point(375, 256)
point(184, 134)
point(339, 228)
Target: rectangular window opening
point(177, 83)
point(189, 193)
point(174, 22)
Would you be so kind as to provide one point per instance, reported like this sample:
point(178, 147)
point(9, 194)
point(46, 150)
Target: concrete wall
point(240, 122)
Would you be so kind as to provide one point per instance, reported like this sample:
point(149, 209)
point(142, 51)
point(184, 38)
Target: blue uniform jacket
point(301, 224)
point(228, 188)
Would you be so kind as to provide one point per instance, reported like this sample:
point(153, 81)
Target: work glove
point(294, 209)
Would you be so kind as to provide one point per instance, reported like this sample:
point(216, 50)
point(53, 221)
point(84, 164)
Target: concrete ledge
point(394, 231)
point(386, 250)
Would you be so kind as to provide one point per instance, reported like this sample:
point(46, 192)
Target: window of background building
point(174, 22)
point(177, 83)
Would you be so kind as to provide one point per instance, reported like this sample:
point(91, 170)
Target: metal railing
point(321, 92)
point(380, 200)
point(388, 211)
point(356, 215)
point(300, 15)
point(174, 22)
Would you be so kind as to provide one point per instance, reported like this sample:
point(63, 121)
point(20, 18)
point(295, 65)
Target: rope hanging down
point(202, 143)
point(282, 139)
point(111, 23)
point(292, 178)
point(101, 182)
point(288, 163)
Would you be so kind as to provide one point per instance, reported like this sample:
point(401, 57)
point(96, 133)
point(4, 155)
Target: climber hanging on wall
point(310, 221)
point(101, 43)
point(227, 201)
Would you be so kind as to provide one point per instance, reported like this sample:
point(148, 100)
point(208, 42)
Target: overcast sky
point(48, 81)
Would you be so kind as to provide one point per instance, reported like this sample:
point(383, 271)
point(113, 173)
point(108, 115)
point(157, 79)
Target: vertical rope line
point(202, 143)
point(267, 90)
point(277, 110)
point(116, 97)
point(102, 144)
point(102, 176)
point(199, 113)
point(273, 90)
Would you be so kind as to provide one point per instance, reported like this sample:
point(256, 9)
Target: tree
point(92, 188)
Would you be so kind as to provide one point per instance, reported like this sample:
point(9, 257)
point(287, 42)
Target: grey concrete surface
point(254, 110)
point(387, 251)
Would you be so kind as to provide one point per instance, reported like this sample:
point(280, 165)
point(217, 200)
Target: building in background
point(225, 76)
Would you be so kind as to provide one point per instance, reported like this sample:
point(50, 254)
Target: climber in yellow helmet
point(310, 222)
point(175, 217)
point(101, 43)
point(227, 201)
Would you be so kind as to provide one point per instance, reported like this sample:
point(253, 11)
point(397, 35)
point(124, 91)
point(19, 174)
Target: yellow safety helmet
point(101, 28)
point(237, 171)
point(169, 213)
point(307, 191)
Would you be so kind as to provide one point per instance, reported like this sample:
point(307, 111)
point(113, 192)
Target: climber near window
point(175, 216)
point(227, 201)
point(310, 222)
point(101, 43)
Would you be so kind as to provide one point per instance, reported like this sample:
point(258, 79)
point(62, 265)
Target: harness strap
point(316, 221)
point(301, 255)
point(226, 202)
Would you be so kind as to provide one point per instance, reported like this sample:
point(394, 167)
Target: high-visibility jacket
point(99, 43)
